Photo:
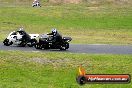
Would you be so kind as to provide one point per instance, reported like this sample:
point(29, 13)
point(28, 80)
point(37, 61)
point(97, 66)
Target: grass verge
point(58, 70)
point(102, 24)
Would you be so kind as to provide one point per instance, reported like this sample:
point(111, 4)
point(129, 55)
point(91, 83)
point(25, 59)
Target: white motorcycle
point(21, 38)
point(36, 4)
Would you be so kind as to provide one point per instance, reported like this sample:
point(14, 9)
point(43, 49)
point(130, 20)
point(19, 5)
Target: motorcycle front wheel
point(7, 43)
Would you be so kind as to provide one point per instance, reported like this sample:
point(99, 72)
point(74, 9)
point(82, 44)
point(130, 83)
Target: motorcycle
point(46, 42)
point(21, 38)
point(36, 4)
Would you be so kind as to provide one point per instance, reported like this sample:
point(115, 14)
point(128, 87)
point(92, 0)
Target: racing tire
point(6, 42)
point(37, 46)
point(33, 42)
point(64, 46)
point(39, 5)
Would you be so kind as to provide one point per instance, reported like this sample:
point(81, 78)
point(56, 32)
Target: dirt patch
point(55, 1)
point(48, 61)
point(65, 1)
point(66, 62)
point(72, 1)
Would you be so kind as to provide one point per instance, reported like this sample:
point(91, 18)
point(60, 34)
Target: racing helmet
point(21, 29)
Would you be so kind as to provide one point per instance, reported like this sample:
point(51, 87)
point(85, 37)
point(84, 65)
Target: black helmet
point(54, 31)
point(21, 29)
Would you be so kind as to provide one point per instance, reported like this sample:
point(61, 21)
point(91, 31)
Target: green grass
point(102, 24)
point(58, 70)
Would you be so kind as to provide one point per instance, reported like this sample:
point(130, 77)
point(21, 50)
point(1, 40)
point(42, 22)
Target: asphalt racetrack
point(79, 48)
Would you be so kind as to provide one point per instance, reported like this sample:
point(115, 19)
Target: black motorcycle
point(46, 42)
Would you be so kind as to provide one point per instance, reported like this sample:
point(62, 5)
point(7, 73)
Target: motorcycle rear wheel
point(64, 46)
point(37, 46)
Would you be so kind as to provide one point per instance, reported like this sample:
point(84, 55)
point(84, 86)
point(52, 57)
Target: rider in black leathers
point(57, 38)
point(25, 37)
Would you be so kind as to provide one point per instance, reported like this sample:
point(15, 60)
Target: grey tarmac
point(79, 48)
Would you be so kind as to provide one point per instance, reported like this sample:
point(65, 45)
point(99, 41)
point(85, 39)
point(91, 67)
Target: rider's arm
point(49, 33)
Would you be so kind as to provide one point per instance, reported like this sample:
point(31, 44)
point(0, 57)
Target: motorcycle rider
point(56, 37)
point(25, 36)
